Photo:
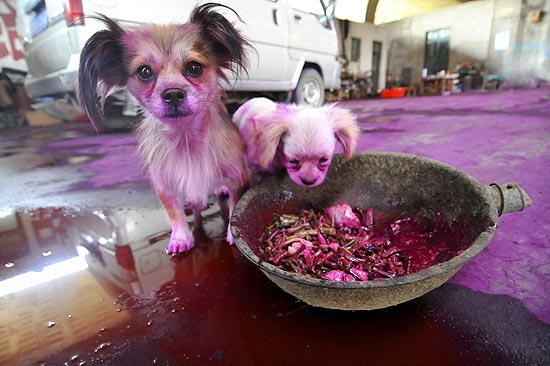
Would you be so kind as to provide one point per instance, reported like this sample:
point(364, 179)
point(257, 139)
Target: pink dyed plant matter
point(348, 244)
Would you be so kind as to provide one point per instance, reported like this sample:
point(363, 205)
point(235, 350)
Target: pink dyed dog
point(301, 139)
point(186, 139)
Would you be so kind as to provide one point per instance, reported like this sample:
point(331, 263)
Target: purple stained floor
point(64, 183)
point(495, 137)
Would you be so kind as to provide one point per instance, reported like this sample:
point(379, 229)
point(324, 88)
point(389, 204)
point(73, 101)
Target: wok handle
point(509, 197)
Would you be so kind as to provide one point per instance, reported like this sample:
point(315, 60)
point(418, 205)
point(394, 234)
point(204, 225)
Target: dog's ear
point(345, 128)
point(101, 71)
point(227, 44)
point(272, 130)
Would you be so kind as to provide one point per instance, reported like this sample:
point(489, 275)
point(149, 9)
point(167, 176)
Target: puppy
point(186, 138)
point(301, 139)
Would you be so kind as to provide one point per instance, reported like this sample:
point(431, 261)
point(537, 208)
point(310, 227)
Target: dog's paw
point(177, 245)
point(229, 237)
point(222, 192)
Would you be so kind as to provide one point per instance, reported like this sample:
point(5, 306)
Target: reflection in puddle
point(115, 298)
point(30, 279)
point(62, 271)
point(125, 246)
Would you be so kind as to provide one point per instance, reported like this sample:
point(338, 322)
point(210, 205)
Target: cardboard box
point(35, 118)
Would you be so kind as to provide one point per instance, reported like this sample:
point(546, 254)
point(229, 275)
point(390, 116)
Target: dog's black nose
point(173, 96)
point(308, 182)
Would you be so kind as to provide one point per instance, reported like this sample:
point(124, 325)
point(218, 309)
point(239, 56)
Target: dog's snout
point(173, 96)
point(308, 182)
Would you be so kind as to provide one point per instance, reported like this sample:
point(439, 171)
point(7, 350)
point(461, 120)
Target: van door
point(266, 25)
point(312, 38)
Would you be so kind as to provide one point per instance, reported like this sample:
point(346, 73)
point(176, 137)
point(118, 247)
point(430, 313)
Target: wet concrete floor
point(84, 279)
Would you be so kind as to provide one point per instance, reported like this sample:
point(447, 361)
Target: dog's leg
point(182, 238)
point(223, 196)
point(197, 214)
point(198, 230)
point(230, 206)
point(230, 198)
point(226, 203)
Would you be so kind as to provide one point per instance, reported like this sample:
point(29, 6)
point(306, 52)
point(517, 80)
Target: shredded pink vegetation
point(348, 244)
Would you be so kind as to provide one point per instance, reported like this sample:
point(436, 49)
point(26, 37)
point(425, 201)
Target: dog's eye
point(294, 162)
point(193, 69)
point(145, 73)
point(323, 160)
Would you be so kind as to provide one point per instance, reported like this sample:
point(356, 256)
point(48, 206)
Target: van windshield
point(317, 7)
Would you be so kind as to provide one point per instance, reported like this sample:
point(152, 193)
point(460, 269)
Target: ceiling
point(384, 11)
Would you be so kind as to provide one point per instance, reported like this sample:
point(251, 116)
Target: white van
point(296, 43)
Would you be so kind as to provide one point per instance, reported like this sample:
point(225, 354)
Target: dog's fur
point(186, 139)
point(301, 139)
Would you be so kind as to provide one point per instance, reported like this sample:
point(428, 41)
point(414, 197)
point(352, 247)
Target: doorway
point(376, 56)
point(436, 51)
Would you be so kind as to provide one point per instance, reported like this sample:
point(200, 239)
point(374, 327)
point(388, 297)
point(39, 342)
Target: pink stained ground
point(495, 137)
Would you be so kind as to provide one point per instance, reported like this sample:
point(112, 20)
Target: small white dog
point(301, 139)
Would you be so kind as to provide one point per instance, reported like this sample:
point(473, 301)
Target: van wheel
point(115, 120)
point(310, 89)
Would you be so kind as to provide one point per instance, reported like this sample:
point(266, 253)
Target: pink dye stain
point(117, 159)
point(501, 137)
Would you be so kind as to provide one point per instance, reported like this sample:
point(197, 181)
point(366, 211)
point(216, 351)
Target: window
point(355, 49)
point(321, 9)
point(436, 51)
point(502, 40)
point(308, 6)
point(376, 57)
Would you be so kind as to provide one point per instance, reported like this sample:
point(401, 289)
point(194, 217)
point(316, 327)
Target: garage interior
point(481, 106)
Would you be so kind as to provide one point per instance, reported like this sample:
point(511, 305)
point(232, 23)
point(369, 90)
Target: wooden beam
point(371, 10)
